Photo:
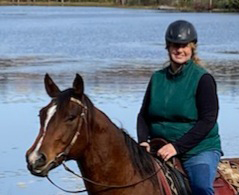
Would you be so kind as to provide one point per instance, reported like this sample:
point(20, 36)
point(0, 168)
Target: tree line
point(193, 4)
point(181, 4)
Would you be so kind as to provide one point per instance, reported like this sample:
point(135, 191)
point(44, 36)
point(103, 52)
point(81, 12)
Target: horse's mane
point(141, 160)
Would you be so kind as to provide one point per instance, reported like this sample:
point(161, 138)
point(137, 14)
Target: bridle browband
point(68, 148)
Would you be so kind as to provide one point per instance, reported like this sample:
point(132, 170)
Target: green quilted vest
point(173, 110)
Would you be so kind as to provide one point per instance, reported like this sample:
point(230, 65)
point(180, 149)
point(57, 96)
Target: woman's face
point(180, 53)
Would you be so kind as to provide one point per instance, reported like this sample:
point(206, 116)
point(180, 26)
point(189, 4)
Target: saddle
point(176, 182)
point(228, 170)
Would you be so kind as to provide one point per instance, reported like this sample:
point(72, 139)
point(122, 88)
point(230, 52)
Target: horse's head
point(62, 126)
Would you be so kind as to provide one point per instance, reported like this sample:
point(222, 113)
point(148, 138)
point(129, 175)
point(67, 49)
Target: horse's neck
point(107, 158)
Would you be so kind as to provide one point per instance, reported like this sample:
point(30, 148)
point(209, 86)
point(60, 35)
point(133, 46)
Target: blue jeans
point(201, 170)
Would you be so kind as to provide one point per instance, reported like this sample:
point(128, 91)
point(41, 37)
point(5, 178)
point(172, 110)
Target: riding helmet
point(181, 32)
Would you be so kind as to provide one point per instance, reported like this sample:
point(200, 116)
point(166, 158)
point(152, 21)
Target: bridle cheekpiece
point(83, 118)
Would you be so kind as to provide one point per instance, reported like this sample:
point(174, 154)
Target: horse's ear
point(78, 85)
point(51, 88)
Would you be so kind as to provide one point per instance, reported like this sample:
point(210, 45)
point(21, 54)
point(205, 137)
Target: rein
point(65, 153)
point(97, 183)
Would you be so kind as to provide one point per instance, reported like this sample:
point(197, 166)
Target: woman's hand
point(146, 145)
point(167, 151)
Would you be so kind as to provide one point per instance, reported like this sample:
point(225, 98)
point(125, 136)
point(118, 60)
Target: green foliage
point(233, 4)
point(228, 4)
point(221, 4)
point(204, 4)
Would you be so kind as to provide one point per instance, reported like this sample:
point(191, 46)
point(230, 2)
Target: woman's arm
point(207, 105)
point(142, 125)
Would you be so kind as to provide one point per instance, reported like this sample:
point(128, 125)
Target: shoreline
point(189, 9)
point(114, 5)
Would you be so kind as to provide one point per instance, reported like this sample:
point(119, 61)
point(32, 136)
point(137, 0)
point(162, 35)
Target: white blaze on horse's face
point(35, 155)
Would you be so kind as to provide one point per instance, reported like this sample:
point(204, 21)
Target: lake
point(115, 50)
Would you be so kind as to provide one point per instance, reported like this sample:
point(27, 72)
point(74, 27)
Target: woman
point(181, 106)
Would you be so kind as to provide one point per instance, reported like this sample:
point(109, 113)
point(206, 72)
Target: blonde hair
point(194, 57)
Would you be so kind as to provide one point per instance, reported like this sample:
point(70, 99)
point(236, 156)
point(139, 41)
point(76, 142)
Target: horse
point(110, 161)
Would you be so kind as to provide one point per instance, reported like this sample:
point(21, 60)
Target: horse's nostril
point(41, 161)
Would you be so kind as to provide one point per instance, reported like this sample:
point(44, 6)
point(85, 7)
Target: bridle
point(64, 154)
point(82, 119)
point(68, 148)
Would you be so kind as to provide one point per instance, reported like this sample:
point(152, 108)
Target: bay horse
point(72, 128)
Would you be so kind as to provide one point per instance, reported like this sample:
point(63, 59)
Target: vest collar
point(180, 72)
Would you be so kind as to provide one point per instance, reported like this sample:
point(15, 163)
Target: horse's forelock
point(64, 98)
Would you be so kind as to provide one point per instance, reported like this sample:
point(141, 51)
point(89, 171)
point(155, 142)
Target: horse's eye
point(71, 117)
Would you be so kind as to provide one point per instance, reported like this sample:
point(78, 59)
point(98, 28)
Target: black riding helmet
point(181, 32)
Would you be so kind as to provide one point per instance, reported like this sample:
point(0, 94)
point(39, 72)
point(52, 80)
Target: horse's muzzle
point(40, 167)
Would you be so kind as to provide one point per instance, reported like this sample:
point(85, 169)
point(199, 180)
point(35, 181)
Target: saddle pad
point(230, 172)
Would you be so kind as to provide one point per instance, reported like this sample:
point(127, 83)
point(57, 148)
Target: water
point(115, 50)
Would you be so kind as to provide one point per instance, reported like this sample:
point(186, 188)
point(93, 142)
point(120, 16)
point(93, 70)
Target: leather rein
point(65, 153)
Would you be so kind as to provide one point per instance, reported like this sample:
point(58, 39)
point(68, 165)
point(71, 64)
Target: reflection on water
point(117, 90)
point(116, 51)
